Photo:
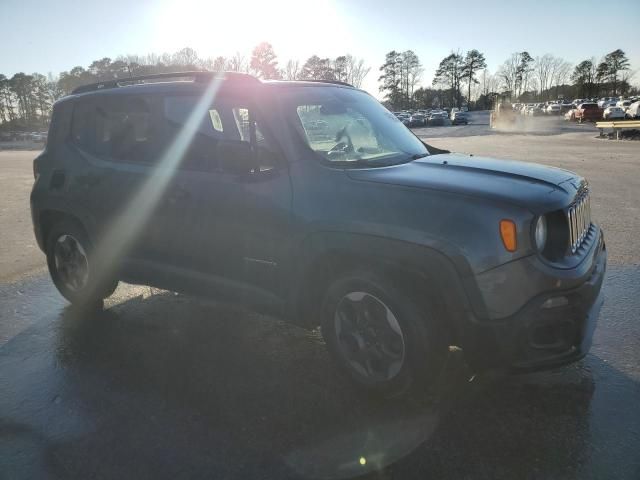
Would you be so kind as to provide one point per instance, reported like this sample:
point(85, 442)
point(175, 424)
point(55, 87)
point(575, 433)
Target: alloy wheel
point(72, 265)
point(369, 337)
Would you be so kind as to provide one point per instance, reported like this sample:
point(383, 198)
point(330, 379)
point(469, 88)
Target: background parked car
point(437, 118)
point(535, 110)
point(458, 118)
point(403, 117)
point(633, 111)
point(624, 104)
point(588, 112)
point(613, 113)
point(417, 120)
point(606, 101)
point(566, 107)
point(571, 115)
point(553, 109)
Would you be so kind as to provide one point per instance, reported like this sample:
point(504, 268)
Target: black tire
point(95, 289)
point(424, 345)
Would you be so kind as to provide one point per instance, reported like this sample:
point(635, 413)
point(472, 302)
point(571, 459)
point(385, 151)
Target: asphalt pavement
point(160, 385)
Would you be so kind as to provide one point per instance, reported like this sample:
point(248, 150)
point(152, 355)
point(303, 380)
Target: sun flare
point(223, 28)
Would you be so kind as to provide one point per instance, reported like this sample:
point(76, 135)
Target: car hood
point(536, 187)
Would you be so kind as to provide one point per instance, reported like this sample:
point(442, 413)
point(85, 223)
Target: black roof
point(194, 78)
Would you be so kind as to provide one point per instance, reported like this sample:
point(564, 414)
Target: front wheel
point(384, 340)
point(71, 268)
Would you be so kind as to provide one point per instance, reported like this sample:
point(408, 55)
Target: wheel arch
point(50, 217)
point(423, 271)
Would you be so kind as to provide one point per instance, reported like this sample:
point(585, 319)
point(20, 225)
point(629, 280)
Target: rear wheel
point(71, 268)
point(385, 341)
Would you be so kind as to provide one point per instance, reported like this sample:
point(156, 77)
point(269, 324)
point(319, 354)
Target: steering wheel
point(342, 147)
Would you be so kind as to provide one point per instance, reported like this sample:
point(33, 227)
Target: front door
point(226, 210)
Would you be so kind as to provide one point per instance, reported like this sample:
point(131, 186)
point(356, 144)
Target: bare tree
point(55, 92)
point(291, 70)
point(238, 63)
point(542, 70)
point(219, 64)
point(356, 71)
point(560, 72)
point(414, 71)
point(508, 73)
point(486, 84)
point(625, 80)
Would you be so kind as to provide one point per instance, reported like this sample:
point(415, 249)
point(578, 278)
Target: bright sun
point(295, 28)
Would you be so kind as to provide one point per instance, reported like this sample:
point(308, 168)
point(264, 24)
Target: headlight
point(541, 233)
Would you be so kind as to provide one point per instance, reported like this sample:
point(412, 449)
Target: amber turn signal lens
point(508, 234)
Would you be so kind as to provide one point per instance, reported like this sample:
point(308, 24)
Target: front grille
point(579, 220)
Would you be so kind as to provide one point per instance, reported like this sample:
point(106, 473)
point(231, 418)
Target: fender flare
point(451, 280)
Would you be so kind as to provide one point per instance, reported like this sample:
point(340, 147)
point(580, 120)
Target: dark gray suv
point(311, 201)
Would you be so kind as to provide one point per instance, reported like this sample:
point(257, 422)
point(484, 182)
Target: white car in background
point(607, 102)
point(613, 113)
point(633, 110)
point(525, 109)
point(553, 109)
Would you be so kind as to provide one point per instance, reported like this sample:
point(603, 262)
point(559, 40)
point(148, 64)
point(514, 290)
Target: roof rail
point(335, 82)
point(200, 76)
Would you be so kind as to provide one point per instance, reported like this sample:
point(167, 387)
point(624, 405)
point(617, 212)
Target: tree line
point(26, 100)
point(461, 78)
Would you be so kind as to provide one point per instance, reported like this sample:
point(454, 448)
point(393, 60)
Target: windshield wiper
point(376, 162)
point(359, 162)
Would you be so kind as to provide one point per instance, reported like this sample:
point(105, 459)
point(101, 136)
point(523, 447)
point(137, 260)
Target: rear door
point(114, 135)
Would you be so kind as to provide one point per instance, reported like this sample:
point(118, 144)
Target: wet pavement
point(165, 386)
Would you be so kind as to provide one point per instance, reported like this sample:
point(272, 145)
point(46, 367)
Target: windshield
point(349, 126)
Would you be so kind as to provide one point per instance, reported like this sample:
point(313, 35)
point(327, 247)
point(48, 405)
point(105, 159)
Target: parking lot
point(165, 386)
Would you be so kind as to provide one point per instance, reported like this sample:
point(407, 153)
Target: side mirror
point(235, 157)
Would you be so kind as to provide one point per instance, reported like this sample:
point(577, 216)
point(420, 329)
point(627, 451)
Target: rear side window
point(117, 128)
point(82, 126)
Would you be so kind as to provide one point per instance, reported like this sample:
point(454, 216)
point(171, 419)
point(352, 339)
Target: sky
point(53, 36)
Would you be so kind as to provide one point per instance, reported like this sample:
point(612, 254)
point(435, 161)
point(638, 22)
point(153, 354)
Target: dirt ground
point(19, 252)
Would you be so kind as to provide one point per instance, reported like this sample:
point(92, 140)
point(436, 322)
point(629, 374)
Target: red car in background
point(588, 112)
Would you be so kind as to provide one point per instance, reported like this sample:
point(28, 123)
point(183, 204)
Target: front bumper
point(553, 329)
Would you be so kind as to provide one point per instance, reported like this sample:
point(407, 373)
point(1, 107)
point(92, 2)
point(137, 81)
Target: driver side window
point(344, 130)
point(248, 125)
